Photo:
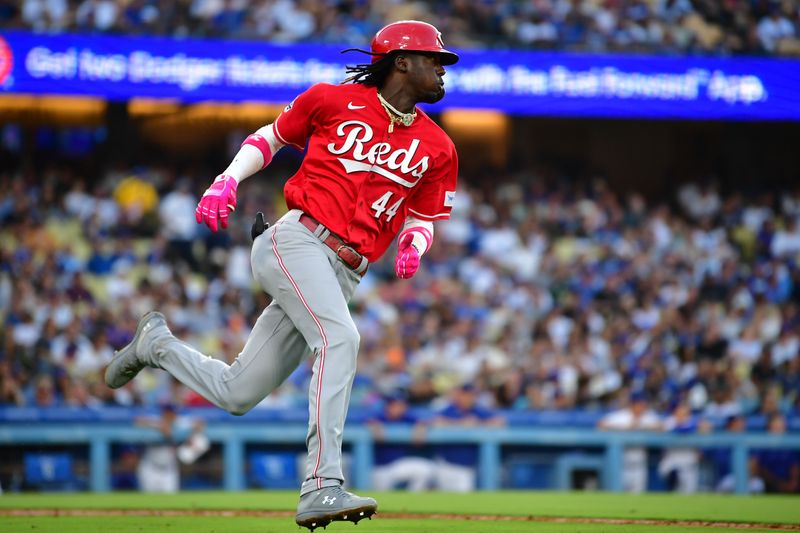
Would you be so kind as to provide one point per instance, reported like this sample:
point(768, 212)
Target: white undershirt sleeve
point(250, 159)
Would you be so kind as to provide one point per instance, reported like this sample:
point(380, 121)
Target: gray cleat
point(330, 504)
point(131, 359)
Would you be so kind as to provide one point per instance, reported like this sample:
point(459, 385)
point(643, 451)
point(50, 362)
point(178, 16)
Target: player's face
point(425, 72)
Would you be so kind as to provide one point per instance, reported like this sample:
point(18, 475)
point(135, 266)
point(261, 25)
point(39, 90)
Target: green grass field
point(506, 512)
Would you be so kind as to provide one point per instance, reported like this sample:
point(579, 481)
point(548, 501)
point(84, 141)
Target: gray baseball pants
point(310, 288)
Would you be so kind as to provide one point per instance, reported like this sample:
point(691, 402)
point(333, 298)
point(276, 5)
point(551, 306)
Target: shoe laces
point(339, 491)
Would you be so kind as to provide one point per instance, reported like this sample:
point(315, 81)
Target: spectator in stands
point(637, 416)
point(158, 469)
point(721, 461)
point(789, 376)
point(456, 464)
point(97, 15)
point(141, 16)
point(536, 31)
point(777, 33)
point(103, 258)
point(72, 350)
point(135, 196)
point(778, 468)
point(786, 241)
point(398, 465)
point(177, 224)
point(45, 15)
point(124, 468)
point(44, 392)
point(183, 441)
point(10, 390)
point(763, 374)
point(78, 394)
point(680, 466)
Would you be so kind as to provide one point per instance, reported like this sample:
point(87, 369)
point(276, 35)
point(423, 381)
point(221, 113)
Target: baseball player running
point(375, 167)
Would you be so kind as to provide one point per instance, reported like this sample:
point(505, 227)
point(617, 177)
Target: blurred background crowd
point(680, 27)
point(545, 293)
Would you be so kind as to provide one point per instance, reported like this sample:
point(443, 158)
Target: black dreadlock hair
point(370, 74)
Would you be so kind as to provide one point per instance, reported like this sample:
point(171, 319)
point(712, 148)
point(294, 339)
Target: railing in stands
point(233, 438)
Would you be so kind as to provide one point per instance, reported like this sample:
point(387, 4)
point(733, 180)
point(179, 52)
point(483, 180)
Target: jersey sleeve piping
point(423, 216)
point(281, 139)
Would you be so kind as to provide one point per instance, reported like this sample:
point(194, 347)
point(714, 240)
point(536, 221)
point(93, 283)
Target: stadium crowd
point(543, 293)
point(726, 27)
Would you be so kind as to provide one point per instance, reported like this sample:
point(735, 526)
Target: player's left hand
point(217, 202)
point(407, 261)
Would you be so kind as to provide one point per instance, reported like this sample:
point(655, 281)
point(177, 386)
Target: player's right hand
point(217, 202)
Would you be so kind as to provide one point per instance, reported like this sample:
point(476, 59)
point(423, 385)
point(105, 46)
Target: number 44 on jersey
point(380, 204)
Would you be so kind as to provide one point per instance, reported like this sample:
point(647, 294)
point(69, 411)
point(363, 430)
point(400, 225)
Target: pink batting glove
point(407, 261)
point(217, 202)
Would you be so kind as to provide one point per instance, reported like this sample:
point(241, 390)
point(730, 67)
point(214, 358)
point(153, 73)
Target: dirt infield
point(400, 516)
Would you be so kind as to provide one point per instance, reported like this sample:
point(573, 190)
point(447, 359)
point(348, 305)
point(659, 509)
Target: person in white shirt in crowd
point(746, 348)
point(184, 441)
point(177, 223)
point(700, 202)
point(44, 15)
point(775, 30)
point(680, 466)
point(786, 241)
point(636, 417)
point(786, 348)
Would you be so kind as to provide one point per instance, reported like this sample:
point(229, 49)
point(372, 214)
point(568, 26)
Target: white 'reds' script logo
point(356, 134)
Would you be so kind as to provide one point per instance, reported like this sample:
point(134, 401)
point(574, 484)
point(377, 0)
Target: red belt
point(357, 262)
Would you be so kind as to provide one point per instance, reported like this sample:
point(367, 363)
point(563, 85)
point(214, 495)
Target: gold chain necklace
point(395, 116)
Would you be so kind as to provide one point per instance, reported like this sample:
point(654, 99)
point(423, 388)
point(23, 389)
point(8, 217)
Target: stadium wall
point(548, 445)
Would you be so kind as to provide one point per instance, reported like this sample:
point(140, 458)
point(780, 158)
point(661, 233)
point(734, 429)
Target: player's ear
point(401, 63)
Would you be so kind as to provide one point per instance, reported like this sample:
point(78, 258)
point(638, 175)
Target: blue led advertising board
point(516, 82)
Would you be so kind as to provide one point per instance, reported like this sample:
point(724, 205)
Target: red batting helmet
point(411, 35)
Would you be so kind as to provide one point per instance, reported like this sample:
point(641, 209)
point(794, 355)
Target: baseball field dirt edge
point(54, 512)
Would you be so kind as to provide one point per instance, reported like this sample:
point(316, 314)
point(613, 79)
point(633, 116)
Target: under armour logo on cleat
point(327, 500)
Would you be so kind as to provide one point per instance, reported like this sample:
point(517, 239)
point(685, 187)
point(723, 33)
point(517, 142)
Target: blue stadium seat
point(49, 471)
point(528, 471)
point(274, 470)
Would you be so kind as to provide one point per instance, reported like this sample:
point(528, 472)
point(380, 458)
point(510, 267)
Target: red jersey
point(358, 179)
